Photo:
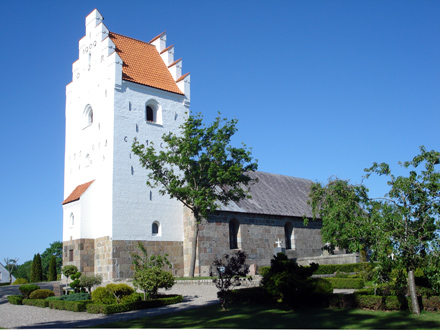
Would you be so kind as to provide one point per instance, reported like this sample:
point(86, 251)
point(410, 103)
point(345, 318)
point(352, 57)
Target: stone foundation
point(112, 259)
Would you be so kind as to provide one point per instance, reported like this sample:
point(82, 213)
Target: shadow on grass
point(258, 317)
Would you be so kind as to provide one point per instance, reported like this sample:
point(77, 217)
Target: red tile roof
point(143, 64)
point(77, 192)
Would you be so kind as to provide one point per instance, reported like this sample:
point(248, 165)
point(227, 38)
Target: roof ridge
point(160, 35)
point(121, 35)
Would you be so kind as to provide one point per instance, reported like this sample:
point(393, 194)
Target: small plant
point(20, 281)
point(149, 275)
point(27, 289)
point(41, 294)
point(228, 273)
point(75, 285)
point(68, 271)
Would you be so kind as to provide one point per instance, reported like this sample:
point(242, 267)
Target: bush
point(120, 290)
point(263, 270)
point(41, 294)
point(344, 268)
point(103, 296)
point(150, 280)
point(132, 298)
point(16, 299)
point(27, 289)
point(118, 308)
point(73, 306)
point(52, 298)
point(346, 283)
point(322, 286)
point(288, 282)
point(75, 297)
point(43, 303)
point(20, 281)
point(90, 281)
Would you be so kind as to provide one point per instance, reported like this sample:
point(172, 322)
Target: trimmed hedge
point(27, 289)
point(41, 294)
point(343, 268)
point(16, 299)
point(346, 283)
point(4, 284)
point(73, 306)
point(118, 308)
point(43, 303)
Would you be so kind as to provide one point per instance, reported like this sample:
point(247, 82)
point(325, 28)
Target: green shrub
point(104, 296)
point(263, 270)
point(118, 308)
point(322, 286)
point(52, 298)
point(120, 290)
point(344, 268)
point(431, 304)
point(365, 292)
point(132, 298)
point(43, 303)
point(346, 283)
point(20, 281)
point(75, 297)
point(73, 306)
point(27, 289)
point(16, 299)
point(41, 294)
point(90, 281)
point(4, 284)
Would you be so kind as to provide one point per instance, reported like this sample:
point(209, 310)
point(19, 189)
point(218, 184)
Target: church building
point(122, 89)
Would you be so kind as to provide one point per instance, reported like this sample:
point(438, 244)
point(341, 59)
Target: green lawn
point(257, 316)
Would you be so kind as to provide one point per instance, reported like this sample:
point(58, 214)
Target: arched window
point(288, 233)
point(155, 228)
point(233, 234)
point(150, 114)
point(88, 116)
point(72, 219)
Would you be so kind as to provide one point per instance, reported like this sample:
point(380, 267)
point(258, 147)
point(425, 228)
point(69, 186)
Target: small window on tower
point(150, 114)
point(155, 228)
point(72, 219)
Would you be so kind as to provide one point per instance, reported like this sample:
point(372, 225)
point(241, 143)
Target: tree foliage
point(10, 265)
point(54, 249)
point(400, 228)
point(36, 270)
point(52, 273)
point(228, 272)
point(199, 167)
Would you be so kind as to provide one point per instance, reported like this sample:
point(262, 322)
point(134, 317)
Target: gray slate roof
point(275, 194)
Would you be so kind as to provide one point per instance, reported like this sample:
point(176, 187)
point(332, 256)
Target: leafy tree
point(400, 228)
point(54, 249)
point(149, 275)
point(36, 270)
point(23, 270)
point(199, 168)
point(227, 274)
point(52, 276)
point(90, 281)
point(10, 264)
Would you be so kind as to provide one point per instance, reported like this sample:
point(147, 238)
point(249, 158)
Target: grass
point(259, 316)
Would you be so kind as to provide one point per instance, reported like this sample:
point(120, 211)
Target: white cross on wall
point(278, 242)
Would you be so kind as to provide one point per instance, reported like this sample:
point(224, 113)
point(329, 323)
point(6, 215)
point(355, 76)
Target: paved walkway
point(15, 316)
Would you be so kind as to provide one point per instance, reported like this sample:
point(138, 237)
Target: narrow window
point(233, 233)
point(72, 219)
point(70, 255)
point(150, 114)
point(288, 230)
point(88, 116)
point(155, 228)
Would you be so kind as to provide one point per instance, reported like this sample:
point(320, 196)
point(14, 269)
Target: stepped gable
point(77, 192)
point(143, 64)
point(275, 194)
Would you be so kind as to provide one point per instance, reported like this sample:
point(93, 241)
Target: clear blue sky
point(320, 88)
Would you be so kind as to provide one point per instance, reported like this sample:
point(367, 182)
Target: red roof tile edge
point(182, 77)
point(160, 35)
point(77, 192)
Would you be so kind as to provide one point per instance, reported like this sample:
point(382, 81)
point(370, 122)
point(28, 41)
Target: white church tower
point(121, 89)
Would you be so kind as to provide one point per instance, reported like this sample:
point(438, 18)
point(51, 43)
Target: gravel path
point(15, 316)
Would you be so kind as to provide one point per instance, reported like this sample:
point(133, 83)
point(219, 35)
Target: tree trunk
point(412, 292)
point(194, 248)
